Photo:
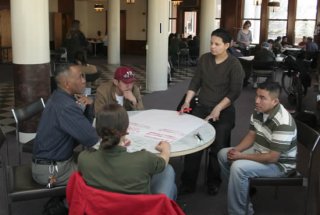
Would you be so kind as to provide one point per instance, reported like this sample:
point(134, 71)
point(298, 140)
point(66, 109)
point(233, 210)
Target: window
point(278, 18)
point(305, 19)
point(252, 13)
point(218, 14)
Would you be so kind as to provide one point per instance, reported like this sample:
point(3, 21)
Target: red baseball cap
point(124, 74)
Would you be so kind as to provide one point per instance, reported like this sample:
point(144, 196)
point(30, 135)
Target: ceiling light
point(130, 1)
point(99, 7)
point(176, 2)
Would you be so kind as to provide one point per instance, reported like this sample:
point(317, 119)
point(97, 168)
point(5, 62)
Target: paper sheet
point(148, 128)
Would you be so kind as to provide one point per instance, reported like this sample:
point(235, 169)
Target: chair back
point(24, 113)
point(18, 184)
point(307, 140)
point(313, 206)
point(21, 115)
point(84, 199)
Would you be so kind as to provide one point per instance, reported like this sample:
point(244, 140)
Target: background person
point(121, 90)
point(218, 79)
point(112, 168)
point(75, 41)
point(268, 149)
point(244, 38)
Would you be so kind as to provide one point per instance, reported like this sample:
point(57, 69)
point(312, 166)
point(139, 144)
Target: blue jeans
point(164, 182)
point(239, 173)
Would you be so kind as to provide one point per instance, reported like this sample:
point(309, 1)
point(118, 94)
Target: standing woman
point(218, 82)
point(244, 37)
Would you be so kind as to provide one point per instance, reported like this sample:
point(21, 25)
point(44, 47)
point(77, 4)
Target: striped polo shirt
point(277, 133)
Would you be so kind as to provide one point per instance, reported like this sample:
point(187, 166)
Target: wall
point(92, 21)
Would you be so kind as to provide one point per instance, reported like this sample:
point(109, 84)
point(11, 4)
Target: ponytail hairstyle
point(112, 124)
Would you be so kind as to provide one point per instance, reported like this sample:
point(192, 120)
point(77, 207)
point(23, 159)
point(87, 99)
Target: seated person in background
point(121, 90)
point(285, 42)
point(303, 43)
point(244, 37)
point(268, 149)
point(264, 59)
point(112, 168)
point(99, 36)
point(234, 51)
point(277, 47)
point(311, 49)
point(105, 43)
point(62, 126)
point(86, 68)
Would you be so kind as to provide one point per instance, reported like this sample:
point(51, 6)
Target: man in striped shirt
point(268, 149)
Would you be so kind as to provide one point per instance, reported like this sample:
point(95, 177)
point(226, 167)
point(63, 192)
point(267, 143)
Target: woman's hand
point(184, 107)
point(215, 114)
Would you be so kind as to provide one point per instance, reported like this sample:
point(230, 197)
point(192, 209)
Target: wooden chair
point(19, 184)
point(25, 139)
point(308, 140)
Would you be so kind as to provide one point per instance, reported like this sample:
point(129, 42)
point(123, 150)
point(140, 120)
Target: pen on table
point(198, 136)
point(185, 110)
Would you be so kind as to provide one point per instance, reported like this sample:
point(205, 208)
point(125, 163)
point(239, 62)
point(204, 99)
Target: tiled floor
point(7, 93)
point(6, 103)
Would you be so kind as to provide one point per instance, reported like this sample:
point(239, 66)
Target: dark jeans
point(192, 162)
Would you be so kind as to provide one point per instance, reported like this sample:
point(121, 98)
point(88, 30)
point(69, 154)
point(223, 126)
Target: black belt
point(43, 161)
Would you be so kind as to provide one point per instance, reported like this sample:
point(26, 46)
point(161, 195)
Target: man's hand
point(233, 155)
point(82, 99)
point(128, 94)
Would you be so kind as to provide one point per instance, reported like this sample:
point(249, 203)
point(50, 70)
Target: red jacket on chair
point(83, 199)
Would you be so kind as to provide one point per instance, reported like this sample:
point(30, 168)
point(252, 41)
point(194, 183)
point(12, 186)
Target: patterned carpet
point(7, 93)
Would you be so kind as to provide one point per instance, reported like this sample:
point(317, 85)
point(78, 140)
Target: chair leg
point(206, 164)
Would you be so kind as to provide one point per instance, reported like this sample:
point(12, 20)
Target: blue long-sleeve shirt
point(62, 125)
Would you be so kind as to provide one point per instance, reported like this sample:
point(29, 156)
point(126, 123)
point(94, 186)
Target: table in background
point(94, 45)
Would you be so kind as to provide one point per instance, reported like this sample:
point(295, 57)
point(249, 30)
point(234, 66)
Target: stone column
point(30, 53)
point(207, 17)
point(113, 31)
point(157, 45)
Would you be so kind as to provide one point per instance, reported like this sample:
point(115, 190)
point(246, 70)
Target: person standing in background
point(75, 41)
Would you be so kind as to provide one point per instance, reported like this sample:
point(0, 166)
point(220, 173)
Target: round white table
point(186, 133)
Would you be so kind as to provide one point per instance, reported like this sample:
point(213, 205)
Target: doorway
point(189, 23)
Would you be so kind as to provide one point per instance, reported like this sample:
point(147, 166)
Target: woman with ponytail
point(112, 168)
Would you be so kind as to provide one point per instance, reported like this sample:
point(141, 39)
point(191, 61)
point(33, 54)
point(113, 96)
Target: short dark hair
point(246, 23)
point(112, 123)
point(223, 34)
point(272, 87)
point(62, 69)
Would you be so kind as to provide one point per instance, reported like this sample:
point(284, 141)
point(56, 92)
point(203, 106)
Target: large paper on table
point(148, 128)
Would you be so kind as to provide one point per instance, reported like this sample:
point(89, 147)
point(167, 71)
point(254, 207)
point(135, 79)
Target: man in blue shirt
point(62, 126)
